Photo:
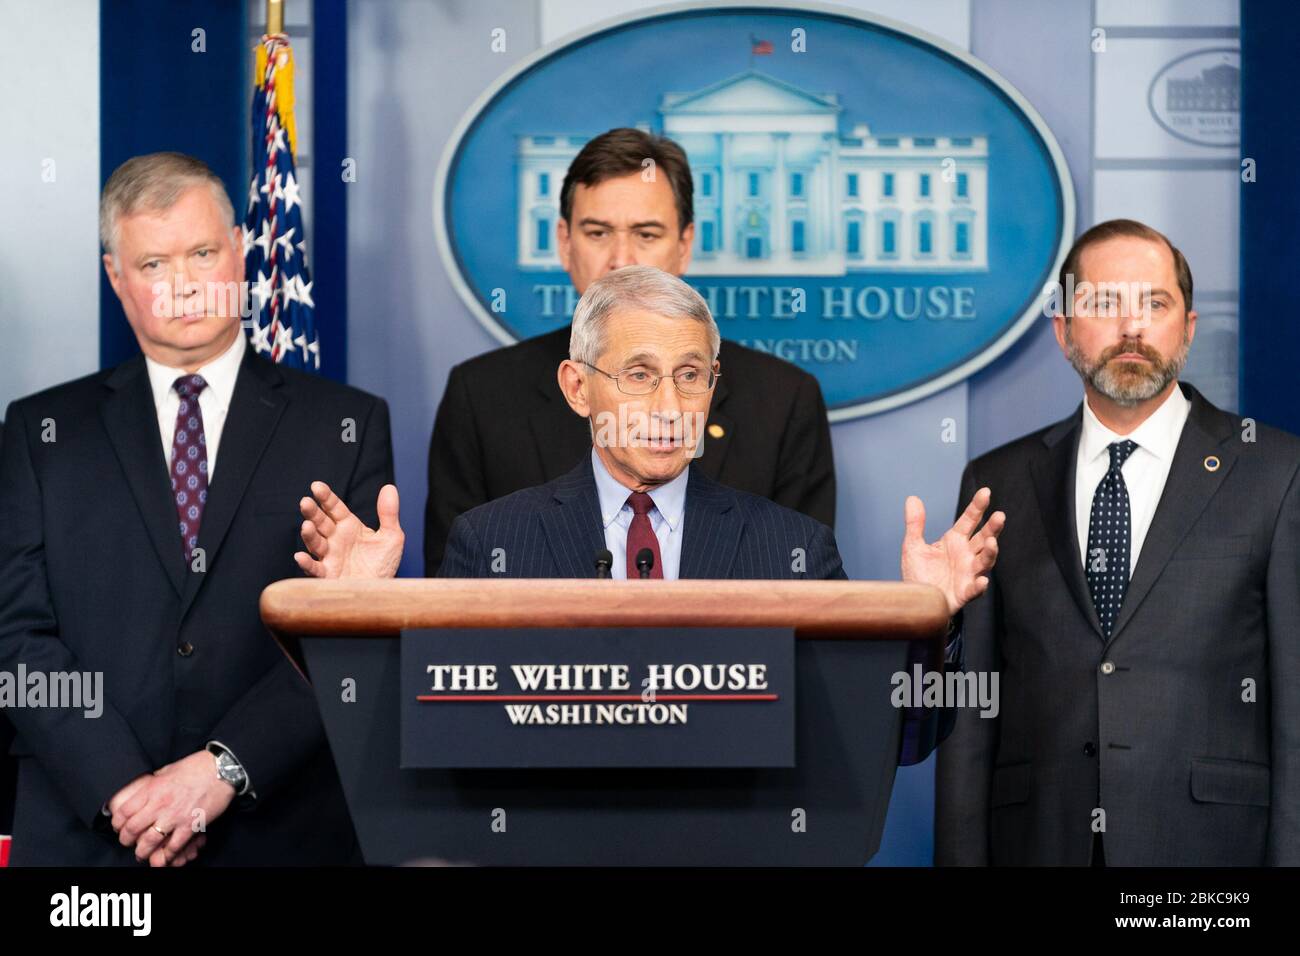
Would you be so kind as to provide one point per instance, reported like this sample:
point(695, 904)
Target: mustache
point(1136, 347)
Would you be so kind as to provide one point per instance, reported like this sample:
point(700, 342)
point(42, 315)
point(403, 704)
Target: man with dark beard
point(1144, 614)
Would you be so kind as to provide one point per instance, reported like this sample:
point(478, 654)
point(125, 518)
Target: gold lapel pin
point(716, 431)
point(1211, 463)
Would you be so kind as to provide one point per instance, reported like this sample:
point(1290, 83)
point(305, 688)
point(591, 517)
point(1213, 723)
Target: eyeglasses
point(639, 381)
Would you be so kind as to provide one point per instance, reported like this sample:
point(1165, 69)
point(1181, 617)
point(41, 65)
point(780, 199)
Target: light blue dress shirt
point(667, 518)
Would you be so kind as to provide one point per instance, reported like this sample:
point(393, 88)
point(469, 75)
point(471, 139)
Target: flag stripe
point(283, 322)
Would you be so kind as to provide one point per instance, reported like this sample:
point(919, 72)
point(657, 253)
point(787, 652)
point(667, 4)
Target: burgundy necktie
point(641, 535)
point(189, 467)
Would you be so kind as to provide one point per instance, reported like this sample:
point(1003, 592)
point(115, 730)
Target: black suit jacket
point(1154, 726)
point(92, 579)
point(503, 426)
point(555, 531)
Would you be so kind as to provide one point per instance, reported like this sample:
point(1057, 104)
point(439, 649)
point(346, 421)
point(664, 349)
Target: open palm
point(958, 563)
point(340, 545)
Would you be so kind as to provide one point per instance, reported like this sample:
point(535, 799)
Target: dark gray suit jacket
point(1155, 726)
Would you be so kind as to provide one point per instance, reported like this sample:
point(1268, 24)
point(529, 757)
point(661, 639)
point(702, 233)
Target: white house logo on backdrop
point(871, 203)
point(1197, 97)
point(780, 190)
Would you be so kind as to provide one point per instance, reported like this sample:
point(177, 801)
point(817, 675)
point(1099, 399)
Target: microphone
point(645, 562)
point(604, 561)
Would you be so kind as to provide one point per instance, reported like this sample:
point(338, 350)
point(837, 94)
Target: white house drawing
point(780, 191)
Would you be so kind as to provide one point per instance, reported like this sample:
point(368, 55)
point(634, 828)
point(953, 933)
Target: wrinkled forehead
point(193, 218)
point(626, 200)
point(638, 337)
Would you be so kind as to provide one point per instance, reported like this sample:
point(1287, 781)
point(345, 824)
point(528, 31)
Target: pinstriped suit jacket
point(554, 531)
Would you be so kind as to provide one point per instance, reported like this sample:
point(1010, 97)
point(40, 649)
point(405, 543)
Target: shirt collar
point(669, 498)
point(1159, 434)
point(220, 374)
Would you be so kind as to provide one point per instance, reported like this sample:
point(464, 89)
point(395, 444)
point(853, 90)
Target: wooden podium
point(851, 638)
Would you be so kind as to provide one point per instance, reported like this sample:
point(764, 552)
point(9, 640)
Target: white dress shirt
point(666, 518)
point(214, 401)
point(1144, 472)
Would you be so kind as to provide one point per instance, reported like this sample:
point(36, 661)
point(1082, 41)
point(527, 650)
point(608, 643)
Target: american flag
point(283, 320)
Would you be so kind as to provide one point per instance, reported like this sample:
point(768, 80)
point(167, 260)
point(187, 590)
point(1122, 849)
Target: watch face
point(230, 771)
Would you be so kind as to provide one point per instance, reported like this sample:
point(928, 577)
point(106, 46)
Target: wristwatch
point(228, 768)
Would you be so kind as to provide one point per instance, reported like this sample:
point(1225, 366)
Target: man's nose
point(666, 399)
point(188, 292)
point(622, 253)
point(1133, 318)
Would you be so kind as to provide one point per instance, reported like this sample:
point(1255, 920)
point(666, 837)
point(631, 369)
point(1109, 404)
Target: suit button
point(1090, 749)
point(185, 649)
point(1107, 667)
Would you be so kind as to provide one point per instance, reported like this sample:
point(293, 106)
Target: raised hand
point(958, 563)
point(340, 545)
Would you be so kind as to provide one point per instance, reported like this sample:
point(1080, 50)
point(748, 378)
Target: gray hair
point(154, 182)
point(637, 287)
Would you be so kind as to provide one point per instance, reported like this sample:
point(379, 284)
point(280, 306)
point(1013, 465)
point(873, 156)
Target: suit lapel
point(572, 524)
point(1187, 491)
point(715, 446)
point(255, 409)
point(713, 527)
point(130, 418)
point(1053, 475)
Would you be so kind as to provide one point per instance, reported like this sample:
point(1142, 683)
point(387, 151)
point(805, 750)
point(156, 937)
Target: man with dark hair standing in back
point(503, 424)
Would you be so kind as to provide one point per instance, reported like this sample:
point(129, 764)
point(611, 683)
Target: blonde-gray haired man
point(145, 508)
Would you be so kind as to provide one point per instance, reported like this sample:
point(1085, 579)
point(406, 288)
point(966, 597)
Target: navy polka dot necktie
point(1110, 538)
point(189, 461)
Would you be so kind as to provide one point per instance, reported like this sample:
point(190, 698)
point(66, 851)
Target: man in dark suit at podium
point(1145, 611)
point(643, 364)
point(503, 425)
point(144, 509)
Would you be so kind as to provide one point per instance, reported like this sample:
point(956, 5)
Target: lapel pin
point(1211, 463)
point(716, 431)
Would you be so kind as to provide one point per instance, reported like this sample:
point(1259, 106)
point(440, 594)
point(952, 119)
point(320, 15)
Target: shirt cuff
point(953, 647)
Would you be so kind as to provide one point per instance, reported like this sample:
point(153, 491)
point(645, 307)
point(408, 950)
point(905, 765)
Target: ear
point(1191, 326)
point(573, 384)
point(113, 278)
point(237, 248)
point(562, 239)
point(1058, 327)
point(686, 244)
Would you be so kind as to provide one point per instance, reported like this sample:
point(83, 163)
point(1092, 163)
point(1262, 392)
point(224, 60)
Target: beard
point(1127, 383)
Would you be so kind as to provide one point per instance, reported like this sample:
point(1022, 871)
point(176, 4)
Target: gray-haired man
point(642, 367)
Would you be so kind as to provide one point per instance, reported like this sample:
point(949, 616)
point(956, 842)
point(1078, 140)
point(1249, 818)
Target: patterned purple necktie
point(189, 462)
